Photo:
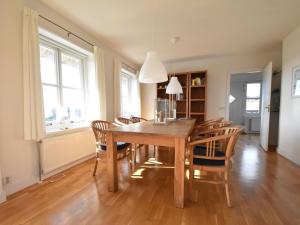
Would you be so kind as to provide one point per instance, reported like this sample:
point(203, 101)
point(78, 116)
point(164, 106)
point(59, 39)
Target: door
point(265, 106)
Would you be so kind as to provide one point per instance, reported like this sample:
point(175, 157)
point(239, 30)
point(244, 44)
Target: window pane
point(48, 65)
point(297, 88)
point(71, 71)
point(125, 104)
point(73, 103)
point(50, 103)
point(253, 90)
point(252, 105)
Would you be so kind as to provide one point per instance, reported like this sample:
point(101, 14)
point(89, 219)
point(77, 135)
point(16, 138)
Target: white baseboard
point(14, 187)
point(2, 196)
point(67, 166)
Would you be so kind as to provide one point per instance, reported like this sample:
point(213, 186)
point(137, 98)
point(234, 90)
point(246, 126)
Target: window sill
point(75, 129)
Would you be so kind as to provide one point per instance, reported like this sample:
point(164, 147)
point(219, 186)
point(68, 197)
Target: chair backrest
point(123, 121)
point(223, 123)
point(222, 139)
point(135, 119)
point(216, 120)
point(99, 126)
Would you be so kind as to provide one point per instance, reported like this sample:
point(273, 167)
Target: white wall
point(2, 192)
point(218, 69)
point(19, 158)
point(289, 129)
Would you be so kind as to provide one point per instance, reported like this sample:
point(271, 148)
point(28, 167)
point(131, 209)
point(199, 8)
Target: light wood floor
point(265, 190)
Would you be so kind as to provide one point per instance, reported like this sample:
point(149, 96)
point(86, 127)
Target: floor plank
point(265, 189)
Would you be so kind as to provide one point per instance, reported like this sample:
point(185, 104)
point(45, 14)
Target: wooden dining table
point(174, 134)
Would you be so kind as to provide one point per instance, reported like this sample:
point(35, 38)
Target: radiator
point(61, 152)
point(252, 124)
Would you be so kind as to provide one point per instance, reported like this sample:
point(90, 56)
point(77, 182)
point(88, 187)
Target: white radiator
point(61, 152)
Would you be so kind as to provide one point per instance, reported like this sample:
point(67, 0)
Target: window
point(125, 89)
point(62, 75)
point(253, 91)
point(129, 94)
point(296, 81)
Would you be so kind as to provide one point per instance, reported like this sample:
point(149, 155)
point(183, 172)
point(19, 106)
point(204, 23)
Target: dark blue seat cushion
point(120, 146)
point(201, 151)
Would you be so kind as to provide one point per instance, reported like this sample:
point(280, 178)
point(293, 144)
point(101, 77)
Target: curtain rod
point(69, 32)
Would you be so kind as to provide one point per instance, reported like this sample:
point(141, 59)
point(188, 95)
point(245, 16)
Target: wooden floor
point(265, 190)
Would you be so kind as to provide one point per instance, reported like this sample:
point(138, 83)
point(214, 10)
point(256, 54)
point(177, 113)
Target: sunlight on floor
point(153, 161)
point(197, 174)
point(138, 173)
point(249, 163)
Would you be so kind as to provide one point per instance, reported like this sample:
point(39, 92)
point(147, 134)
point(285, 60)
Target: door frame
point(246, 71)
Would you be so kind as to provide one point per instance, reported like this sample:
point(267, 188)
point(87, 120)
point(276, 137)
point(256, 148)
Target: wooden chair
point(99, 128)
point(135, 119)
point(213, 155)
point(208, 123)
point(209, 126)
point(123, 121)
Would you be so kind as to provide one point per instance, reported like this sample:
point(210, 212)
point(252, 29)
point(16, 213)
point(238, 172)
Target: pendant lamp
point(174, 86)
point(152, 71)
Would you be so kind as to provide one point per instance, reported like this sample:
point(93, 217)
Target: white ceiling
point(206, 27)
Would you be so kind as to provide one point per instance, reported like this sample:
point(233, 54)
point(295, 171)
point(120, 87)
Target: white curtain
point(100, 76)
point(33, 104)
point(136, 96)
point(117, 95)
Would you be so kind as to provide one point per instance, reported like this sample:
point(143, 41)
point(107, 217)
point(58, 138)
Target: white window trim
point(130, 75)
point(75, 126)
point(252, 112)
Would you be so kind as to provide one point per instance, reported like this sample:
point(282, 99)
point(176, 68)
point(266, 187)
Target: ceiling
point(205, 27)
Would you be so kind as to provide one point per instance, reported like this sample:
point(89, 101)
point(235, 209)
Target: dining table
point(174, 134)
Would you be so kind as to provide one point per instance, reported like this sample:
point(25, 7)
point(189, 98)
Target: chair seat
point(120, 146)
point(201, 151)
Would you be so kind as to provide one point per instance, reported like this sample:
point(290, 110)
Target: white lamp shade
point(174, 86)
point(153, 71)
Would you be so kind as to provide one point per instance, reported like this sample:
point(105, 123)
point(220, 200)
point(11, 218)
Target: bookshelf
point(192, 103)
point(197, 95)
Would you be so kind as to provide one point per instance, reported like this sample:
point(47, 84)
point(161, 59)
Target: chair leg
point(96, 163)
point(134, 149)
point(192, 193)
point(227, 188)
point(146, 151)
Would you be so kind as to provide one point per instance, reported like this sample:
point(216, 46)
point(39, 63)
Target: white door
point(265, 106)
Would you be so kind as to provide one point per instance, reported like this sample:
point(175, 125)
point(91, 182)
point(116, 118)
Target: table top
point(177, 128)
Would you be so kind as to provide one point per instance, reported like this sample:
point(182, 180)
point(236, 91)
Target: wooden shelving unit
point(193, 102)
point(197, 96)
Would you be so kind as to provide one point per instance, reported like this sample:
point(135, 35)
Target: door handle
point(268, 108)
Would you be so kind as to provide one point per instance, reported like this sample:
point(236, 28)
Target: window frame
point(129, 77)
point(60, 49)
point(253, 112)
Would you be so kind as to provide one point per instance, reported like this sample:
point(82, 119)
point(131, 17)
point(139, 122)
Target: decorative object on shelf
point(179, 97)
point(196, 81)
point(152, 71)
point(296, 81)
point(173, 87)
point(161, 111)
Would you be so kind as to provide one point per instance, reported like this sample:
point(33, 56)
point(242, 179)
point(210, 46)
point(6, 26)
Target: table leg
point(179, 172)
point(146, 151)
point(112, 170)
